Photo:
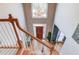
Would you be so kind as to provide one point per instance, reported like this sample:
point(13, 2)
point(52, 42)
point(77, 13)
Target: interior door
point(39, 32)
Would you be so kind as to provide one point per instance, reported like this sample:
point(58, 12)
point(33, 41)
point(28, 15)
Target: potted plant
point(49, 36)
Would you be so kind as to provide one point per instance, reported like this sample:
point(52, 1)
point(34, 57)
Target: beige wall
point(30, 21)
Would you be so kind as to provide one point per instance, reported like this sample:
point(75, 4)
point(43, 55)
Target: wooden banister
point(20, 50)
point(50, 46)
point(15, 21)
point(9, 46)
point(10, 18)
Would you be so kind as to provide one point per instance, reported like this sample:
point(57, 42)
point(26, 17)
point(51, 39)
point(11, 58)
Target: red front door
point(39, 32)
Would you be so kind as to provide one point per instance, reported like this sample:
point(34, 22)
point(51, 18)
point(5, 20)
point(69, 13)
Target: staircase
point(16, 41)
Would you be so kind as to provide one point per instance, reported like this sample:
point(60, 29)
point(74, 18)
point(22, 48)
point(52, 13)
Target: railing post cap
point(10, 16)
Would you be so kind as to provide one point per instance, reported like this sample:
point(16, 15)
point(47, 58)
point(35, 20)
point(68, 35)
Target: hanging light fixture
point(39, 10)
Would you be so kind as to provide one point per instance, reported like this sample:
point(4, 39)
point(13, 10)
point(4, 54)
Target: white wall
point(15, 9)
point(17, 12)
point(67, 18)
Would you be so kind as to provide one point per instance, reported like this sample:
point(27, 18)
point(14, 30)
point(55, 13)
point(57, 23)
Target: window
point(39, 10)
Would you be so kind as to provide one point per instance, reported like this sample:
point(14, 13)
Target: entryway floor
point(37, 48)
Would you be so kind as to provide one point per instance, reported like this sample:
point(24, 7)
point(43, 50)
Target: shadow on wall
point(58, 36)
point(75, 36)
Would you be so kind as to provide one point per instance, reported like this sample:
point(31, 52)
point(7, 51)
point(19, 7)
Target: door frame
point(44, 29)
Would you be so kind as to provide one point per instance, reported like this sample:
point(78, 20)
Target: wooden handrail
point(9, 46)
point(15, 21)
point(11, 19)
point(5, 20)
point(50, 46)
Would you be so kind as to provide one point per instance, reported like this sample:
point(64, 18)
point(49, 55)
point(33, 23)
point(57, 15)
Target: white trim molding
point(44, 29)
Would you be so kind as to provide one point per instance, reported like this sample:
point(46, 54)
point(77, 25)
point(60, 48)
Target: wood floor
point(36, 48)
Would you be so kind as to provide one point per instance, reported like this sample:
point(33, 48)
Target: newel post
point(10, 16)
point(12, 20)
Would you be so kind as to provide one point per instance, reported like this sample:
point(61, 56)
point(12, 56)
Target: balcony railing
point(15, 40)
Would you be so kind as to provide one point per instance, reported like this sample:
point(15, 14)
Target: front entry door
point(39, 32)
